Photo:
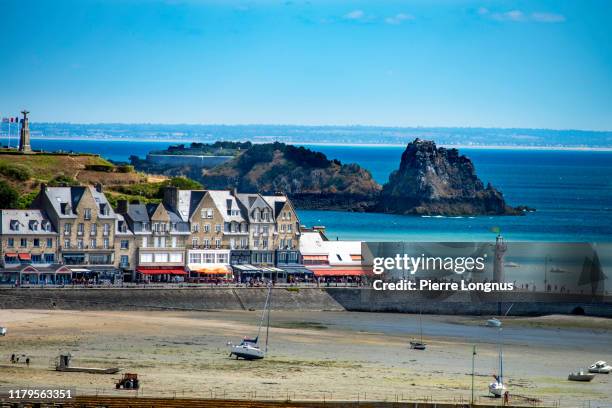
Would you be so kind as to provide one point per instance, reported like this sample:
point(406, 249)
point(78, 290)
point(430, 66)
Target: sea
point(570, 190)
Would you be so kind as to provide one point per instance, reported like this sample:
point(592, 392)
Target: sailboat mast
point(269, 309)
point(263, 313)
point(421, 323)
point(501, 358)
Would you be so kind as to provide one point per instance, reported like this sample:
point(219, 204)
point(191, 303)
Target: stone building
point(85, 222)
point(29, 248)
point(160, 236)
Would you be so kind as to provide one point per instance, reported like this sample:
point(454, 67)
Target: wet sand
point(312, 355)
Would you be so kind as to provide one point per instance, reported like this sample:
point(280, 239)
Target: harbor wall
point(315, 299)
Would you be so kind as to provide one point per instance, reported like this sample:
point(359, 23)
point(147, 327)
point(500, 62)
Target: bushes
point(8, 195)
point(15, 171)
point(125, 168)
point(63, 180)
point(107, 168)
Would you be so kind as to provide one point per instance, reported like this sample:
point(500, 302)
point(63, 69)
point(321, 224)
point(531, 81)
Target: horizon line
point(327, 126)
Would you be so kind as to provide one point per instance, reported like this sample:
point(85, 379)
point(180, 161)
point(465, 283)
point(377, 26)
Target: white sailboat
point(249, 348)
point(498, 388)
point(419, 345)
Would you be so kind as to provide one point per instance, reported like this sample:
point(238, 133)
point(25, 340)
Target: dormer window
point(66, 208)
point(46, 225)
point(33, 225)
point(14, 225)
point(87, 214)
point(104, 208)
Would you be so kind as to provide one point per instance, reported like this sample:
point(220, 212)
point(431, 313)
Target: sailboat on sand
point(419, 345)
point(249, 348)
point(498, 388)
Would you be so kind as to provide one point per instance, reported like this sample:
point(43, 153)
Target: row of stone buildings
point(73, 233)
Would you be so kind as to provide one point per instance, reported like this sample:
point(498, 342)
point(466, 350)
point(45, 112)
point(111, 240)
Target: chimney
point(43, 188)
point(234, 191)
point(122, 206)
point(98, 187)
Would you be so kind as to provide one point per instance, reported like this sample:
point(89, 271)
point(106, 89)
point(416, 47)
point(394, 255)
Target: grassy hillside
point(22, 174)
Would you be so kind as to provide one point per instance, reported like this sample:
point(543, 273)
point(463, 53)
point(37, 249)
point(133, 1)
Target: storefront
point(356, 275)
point(212, 274)
point(253, 275)
point(152, 274)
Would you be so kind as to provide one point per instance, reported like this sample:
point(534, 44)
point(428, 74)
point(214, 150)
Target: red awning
point(162, 271)
point(214, 270)
point(339, 271)
point(24, 257)
point(11, 254)
point(316, 258)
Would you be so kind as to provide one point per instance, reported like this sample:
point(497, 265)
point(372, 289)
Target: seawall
point(315, 299)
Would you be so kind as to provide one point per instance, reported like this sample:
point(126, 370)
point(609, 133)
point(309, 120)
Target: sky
point(527, 64)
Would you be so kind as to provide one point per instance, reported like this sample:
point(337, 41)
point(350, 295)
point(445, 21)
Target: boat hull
point(247, 353)
point(497, 389)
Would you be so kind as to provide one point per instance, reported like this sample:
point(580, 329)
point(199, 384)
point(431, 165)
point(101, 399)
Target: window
point(49, 258)
point(209, 258)
point(176, 257)
point(218, 243)
point(66, 243)
point(87, 214)
point(93, 229)
point(244, 243)
point(93, 243)
point(80, 243)
point(49, 242)
point(34, 225)
point(14, 225)
point(11, 242)
point(124, 262)
point(174, 242)
point(67, 229)
point(289, 228)
point(282, 243)
point(256, 243)
point(195, 227)
point(223, 258)
point(81, 228)
point(265, 229)
point(144, 258)
point(125, 244)
point(106, 229)
point(232, 243)
point(194, 242)
point(265, 244)
point(206, 227)
point(23, 242)
point(106, 243)
point(144, 242)
point(195, 258)
point(209, 213)
point(290, 244)
point(218, 228)
point(283, 228)
point(160, 257)
point(206, 242)
point(37, 258)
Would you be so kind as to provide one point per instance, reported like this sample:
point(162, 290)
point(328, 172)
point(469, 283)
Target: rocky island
point(433, 180)
point(430, 180)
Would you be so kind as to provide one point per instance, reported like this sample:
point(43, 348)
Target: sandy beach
point(312, 355)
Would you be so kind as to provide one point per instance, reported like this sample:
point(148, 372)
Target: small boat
point(580, 376)
point(494, 322)
point(498, 388)
point(248, 348)
point(419, 345)
point(2, 331)
point(600, 367)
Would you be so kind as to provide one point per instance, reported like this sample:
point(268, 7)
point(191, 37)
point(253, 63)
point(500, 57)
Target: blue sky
point(540, 64)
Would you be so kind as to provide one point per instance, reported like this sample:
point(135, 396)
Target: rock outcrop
point(433, 180)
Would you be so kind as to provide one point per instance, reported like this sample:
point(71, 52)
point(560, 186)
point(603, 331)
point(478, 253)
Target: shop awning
point(322, 258)
point(356, 257)
point(24, 257)
point(339, 271)
point(213, 270)
point(161, 271)
point(248, 268)
point(11, 254)
point(296, 270)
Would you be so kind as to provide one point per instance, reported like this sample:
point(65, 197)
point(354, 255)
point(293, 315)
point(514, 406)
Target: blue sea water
point(571, 190)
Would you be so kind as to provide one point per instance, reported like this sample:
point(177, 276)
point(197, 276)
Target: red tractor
point(128, 382)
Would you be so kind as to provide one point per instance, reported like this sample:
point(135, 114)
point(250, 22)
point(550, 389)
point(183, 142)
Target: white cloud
point(355, 15)
point(399, 18)
point(548, 17)
point(512, 15)
point(520, 16)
